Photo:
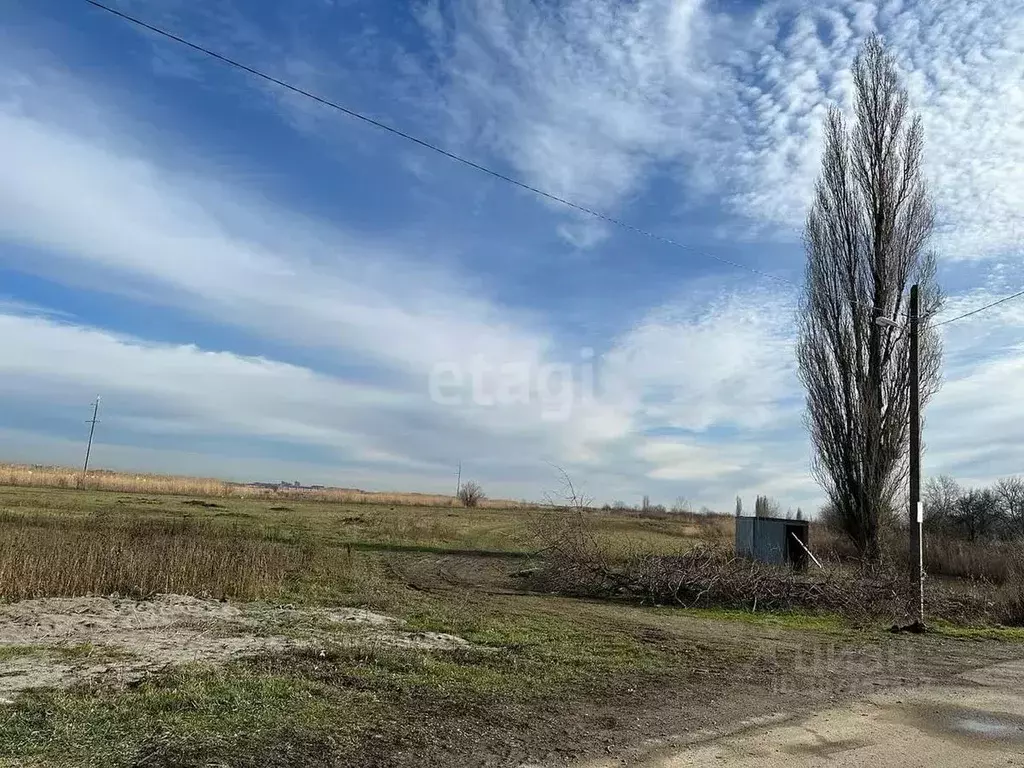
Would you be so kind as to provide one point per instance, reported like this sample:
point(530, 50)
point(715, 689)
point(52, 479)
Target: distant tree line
point(766, 506)
point(975, 514)
point(995, 513)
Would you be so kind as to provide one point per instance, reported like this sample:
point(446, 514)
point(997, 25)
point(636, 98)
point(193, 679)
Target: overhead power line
point(980, 309)
point(467, 162)
point(428, 145)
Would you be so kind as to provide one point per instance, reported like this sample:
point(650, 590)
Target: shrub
point(471, 494)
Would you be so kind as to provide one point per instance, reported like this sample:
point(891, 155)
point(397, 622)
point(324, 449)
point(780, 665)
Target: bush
point(471, 494)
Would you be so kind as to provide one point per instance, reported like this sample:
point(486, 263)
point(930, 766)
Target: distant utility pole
point(92, 430)
point(916, 512)
point(458, 483)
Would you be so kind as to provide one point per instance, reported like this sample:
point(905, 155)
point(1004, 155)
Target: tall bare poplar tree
point(866, 241)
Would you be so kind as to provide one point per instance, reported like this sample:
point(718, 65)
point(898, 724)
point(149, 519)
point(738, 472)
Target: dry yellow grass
point(66, 541)
point(21, 475)
point(60, 556)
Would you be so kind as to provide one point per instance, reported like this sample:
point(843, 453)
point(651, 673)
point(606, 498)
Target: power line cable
point(428, 145)
point(980, 309)
point(472, 164)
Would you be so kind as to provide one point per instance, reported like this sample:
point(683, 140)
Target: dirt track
point(976, 720)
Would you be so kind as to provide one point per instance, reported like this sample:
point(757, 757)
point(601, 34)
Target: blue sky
point(263, 288)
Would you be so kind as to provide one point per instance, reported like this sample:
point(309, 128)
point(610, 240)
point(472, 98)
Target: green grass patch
point(191, 716)
point(795, 620)
point(1004, 634)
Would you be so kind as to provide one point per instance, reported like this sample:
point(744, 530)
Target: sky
point(264, 288)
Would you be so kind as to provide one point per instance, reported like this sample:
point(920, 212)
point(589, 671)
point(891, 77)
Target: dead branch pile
point(708, 576)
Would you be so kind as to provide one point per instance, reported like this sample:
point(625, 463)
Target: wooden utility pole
point(916, 512)
point(92, 431)
point(458, 483)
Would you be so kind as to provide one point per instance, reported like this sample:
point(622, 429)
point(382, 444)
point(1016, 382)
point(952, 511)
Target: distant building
point(284, 485)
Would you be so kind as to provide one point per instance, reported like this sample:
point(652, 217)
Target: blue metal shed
point(773, 540)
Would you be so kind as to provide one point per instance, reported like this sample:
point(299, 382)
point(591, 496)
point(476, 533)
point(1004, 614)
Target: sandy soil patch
point(132, 638)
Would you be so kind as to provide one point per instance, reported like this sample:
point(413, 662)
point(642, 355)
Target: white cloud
point(581, 99)
point(725, 363)
point(591, 100)
point(595, 99)
point(153, 392)
point(673, 460)
point(973, 427)
point(182, 389)
point(176, 238)
point(963, 63)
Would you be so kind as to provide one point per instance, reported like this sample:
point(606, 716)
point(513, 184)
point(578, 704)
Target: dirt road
point(976, 720)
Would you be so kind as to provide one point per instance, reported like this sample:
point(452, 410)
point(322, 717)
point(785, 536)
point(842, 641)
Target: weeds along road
point(976, 720)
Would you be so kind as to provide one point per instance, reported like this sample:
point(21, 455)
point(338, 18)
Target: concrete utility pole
point(92, 431)
point(916, 512)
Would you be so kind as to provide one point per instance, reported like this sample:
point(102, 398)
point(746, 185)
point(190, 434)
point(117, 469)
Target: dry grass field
point(36, 476)
point(193, 626)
